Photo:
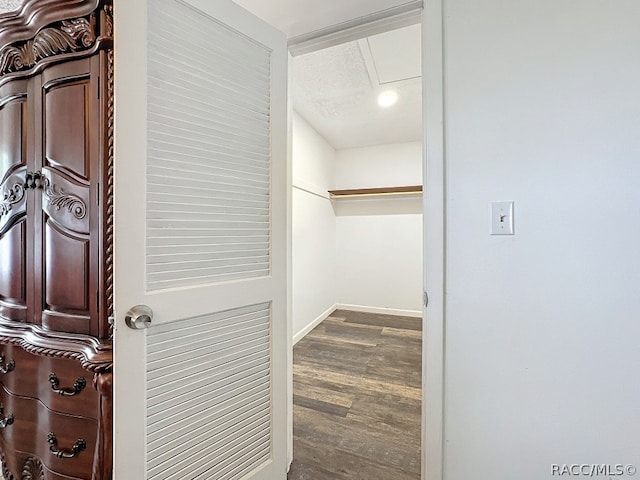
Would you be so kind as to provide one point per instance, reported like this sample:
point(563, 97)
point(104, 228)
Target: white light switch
point(501, 218)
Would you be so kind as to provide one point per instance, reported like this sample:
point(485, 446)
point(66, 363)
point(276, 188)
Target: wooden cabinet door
point(15, 230)
point(67, 223)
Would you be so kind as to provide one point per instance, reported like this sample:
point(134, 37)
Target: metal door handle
point(139, 317)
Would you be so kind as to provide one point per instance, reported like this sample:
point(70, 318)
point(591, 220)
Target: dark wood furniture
point(56, 165)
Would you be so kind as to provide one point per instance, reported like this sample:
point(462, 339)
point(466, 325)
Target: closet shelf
point(371, 192)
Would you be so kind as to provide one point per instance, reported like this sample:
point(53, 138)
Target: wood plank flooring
point(357, 393)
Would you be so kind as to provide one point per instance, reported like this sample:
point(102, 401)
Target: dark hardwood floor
point(357, 394)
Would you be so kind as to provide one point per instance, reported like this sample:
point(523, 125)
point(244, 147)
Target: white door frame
point(430, 14)
point(434, 218)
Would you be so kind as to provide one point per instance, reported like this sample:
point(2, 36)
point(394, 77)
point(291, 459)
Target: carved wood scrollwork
point(13, 196)
point(10, 198)
point(5, 471)
point(93, 367)
point(33, 469)
point(108, 10)
point(66, 37)
point(58, 199)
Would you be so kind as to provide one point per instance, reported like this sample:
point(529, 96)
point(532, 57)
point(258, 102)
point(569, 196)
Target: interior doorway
point(357, 132)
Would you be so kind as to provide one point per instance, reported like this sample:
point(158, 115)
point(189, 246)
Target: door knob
point(139, 317)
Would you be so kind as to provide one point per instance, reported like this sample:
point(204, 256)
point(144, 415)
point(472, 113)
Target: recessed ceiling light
point(387, 98)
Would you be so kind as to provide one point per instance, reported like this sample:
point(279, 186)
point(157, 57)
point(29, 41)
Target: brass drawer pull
point(78, 447)
point(5, 422)
point(6, 368)
point(66, 392)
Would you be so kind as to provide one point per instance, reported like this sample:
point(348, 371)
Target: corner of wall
point(309, 327)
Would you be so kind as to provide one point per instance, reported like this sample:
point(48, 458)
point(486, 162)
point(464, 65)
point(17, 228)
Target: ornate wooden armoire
point(56, 164)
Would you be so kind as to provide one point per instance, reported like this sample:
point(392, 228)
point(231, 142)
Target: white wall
point(542, 334)
point(380, 263)
point(363, 254)
point(391, 165)
point(379, 241)
point(314, 228)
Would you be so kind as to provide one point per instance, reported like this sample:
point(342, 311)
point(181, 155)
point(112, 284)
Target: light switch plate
point(501, 218)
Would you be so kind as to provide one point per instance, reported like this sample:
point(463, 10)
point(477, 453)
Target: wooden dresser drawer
point(30, 434)
point(28, 466)
point(31, 376)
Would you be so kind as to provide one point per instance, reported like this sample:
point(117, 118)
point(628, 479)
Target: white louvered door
point(200, 238)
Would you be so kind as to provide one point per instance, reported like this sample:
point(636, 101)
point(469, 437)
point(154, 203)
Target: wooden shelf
point(368, 192)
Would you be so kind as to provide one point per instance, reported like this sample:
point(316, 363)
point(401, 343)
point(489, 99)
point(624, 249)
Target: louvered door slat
point(193, 346)
point(201, 106)
point(190, 443)
point(196, 155)
point(184, 200)
point(202, 132)
point(214, 325)
point(185, 434)
point(186, 412)
point(195, 384)
point(188, 172)
point(208, 392)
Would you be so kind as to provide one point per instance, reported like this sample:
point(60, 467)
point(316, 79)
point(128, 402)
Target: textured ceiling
point(335, 90)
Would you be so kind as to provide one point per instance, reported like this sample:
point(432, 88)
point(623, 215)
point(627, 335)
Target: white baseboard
point(381, 310)
point(301, 334)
